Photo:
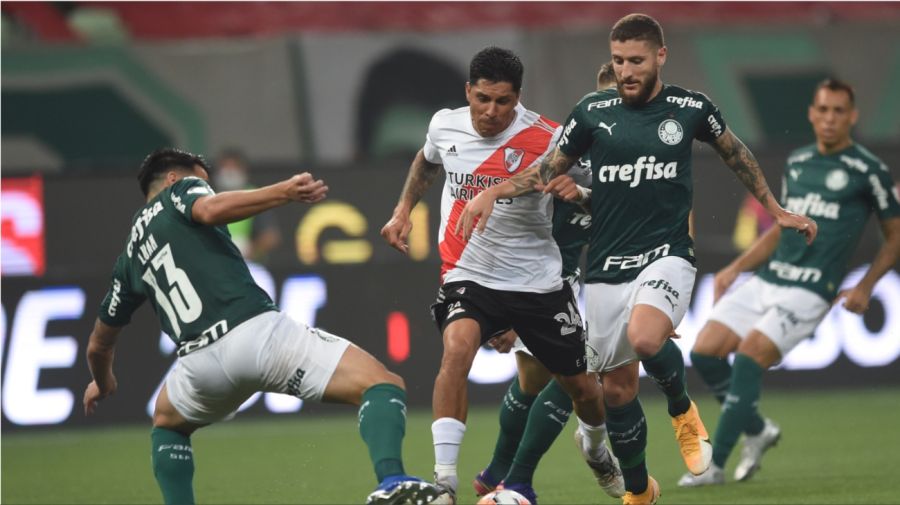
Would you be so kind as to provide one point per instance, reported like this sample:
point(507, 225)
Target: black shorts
point(548, 323)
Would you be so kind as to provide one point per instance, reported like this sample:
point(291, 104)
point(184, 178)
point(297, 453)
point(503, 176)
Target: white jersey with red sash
point(516, 252)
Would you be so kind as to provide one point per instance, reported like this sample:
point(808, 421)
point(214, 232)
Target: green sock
point(739, 406)
point(716, 373)
point(627, 428)
point(173, 465)
point(666, 368)
point(382, 425)
point(513, 418)
point(547, 418)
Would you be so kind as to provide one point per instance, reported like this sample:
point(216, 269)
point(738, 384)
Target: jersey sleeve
point(122, 299)
point(185, 192)
point(576, 136)
point(430, 149)
point(883, 193)
point(712, 125)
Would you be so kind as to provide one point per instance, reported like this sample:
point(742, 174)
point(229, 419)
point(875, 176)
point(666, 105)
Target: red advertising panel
point(22, 226)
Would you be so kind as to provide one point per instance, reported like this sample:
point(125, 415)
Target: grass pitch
point(837, 447)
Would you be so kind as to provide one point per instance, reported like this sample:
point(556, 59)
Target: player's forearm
point(529, 179)
point(759, 252)
point(885, 259)
point(100, 354)
point(422, 175)
point(741, 161)
point(232, 206)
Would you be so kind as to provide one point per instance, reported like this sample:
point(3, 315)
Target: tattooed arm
point(422, 174)
point(744, 165)
point(537, 177)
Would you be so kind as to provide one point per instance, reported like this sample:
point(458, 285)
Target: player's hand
point(804, 225)
point(562, 187)
point(477, 210)
point(856, 300)
point(503, 343)
point(396, 231)
point(93, 395)
point(723, 280)
point(305, 188)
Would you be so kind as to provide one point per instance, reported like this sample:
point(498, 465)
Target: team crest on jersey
point(670, 132)
point(836, 180)
point(512, 158)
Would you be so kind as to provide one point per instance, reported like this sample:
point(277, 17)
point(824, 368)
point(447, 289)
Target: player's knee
point(644, 343)
point(581, 388)
point(617, 393)
point(379, 374)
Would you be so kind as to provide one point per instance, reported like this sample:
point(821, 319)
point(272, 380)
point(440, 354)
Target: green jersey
point(193, 275)
point(839, 191)
point(642, 186)
point(571, 223)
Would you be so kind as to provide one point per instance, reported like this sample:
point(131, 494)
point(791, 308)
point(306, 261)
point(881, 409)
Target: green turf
point(837, 447)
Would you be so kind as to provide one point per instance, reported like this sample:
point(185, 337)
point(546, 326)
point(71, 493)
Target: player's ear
point(661, 55)
point(854, 115)
point(172, 177)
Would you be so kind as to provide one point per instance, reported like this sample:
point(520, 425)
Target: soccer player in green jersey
point(640, 272)
point(840, 183)
point(231, 339)
point(535, 408)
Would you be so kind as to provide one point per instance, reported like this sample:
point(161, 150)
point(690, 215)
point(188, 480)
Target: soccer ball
point(503, 497)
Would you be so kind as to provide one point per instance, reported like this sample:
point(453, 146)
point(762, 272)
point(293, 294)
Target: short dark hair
point(496, 64)
point(833, 84)
point(638, 27)
point(606, 76)
point(160, 161)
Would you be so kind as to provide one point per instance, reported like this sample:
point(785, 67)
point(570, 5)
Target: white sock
point(448, 435)
point(593, 438)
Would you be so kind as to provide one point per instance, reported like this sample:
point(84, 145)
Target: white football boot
point(754, 448)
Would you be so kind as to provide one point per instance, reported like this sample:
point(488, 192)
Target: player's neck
point(656, 90)
point(837, 147)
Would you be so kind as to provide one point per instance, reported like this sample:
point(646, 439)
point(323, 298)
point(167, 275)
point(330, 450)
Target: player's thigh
point(716, 339)
point(533, 375)
point(165, 415)
point(606, 318)
point(467, 315)
point(791, 317)
point(733, 317)
point(208, 384)
point(551, 327)
point(356, 372)
point(660, 298)
point(295, 359)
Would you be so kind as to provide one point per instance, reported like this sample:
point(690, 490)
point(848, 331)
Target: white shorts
point(573, 281)
point(785, 314)
point(270, 352)
point(666, 284)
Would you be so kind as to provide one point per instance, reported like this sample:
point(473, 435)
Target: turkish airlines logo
point(512, 158)
point(22, 248)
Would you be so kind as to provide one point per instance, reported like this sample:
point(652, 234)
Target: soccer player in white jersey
point(509, 276)
point(840, 183)
point(535, 408)
point(640, 272)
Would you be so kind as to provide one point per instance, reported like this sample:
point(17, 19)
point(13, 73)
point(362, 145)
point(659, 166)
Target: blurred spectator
point(752, 221)
point(255, 236)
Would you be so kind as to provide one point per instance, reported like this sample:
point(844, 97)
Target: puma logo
point(673, 304)
point(608, 127)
